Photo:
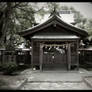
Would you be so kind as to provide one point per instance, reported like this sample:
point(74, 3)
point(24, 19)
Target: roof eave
point(83, 33)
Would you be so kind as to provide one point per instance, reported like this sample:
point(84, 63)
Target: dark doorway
point(55, 57)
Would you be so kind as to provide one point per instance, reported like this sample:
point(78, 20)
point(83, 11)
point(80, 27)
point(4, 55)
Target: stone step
point(88, 80)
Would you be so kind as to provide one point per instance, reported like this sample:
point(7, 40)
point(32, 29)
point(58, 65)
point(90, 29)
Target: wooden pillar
point(69, 56)
point(77, 55)
point(41, 56)
point(32, 55)
point(3, 57)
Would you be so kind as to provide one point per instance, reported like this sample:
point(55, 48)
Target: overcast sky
point(85, 9)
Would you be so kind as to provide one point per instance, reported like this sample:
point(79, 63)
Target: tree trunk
point(4, 24)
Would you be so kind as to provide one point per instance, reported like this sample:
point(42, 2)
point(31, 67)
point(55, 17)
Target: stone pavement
point(57, 80)
point(55, 86)
point(88, 80)
point(13, 82)
point(48, 80)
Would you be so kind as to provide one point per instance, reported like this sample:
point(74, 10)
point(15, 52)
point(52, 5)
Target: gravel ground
point(46, 80)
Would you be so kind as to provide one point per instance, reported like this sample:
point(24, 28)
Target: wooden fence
point(24, 57)
point(85, 57)
point(18, 56)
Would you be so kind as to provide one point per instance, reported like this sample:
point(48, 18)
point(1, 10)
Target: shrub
point(10, 68)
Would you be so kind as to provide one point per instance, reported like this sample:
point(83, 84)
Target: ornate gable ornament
point(54, 13)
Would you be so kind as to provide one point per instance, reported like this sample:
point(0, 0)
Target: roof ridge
point(55, 18)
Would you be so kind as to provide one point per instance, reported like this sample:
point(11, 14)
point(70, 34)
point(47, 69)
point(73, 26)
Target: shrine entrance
point(55, 56)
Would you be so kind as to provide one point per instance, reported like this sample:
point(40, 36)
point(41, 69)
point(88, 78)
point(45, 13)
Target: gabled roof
point(55, 20)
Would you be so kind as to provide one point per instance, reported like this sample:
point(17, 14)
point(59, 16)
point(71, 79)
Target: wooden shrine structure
point(54, 43)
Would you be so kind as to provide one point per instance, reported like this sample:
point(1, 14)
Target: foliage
point(9, 67)
point(88, 27)
point(18, 16)
point(15, 17)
